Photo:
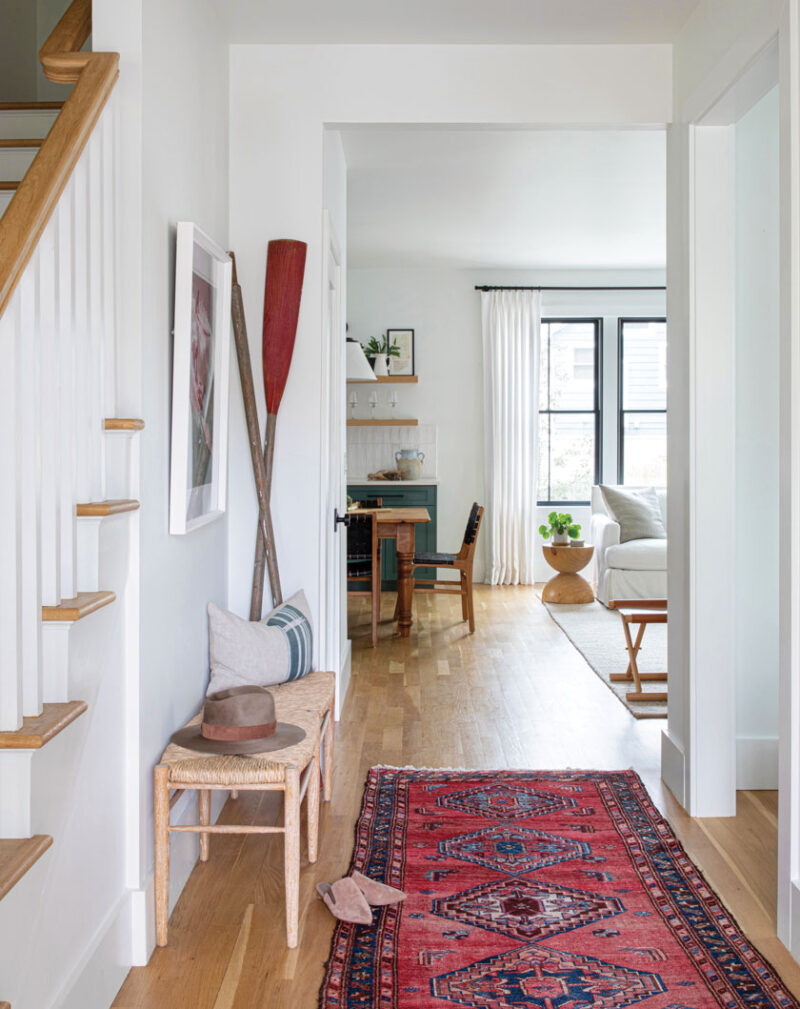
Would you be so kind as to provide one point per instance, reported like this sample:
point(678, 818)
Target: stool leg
point(291, 852)
point(204, 818)
point(312, 810)
point(161, 850)
point(328, 760)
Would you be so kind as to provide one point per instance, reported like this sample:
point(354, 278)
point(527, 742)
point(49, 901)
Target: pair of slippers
point(349, 899)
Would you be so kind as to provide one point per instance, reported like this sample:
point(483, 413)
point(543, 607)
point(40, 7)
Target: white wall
point(276, 190)
point(443, 307)
point(184, 145)
point(757, 540)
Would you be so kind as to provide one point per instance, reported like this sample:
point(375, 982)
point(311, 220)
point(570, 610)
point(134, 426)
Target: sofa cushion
point(637, 511)
point(638, 555)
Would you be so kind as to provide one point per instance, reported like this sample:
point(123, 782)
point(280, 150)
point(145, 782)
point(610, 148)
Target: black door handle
point(337, 518)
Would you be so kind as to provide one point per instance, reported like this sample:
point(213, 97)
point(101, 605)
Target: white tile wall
point(372, 448)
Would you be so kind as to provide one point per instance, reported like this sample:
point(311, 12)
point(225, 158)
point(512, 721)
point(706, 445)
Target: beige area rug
point(597, 634)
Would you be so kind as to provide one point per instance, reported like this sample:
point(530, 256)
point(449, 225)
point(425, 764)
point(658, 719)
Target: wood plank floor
point(515, 694)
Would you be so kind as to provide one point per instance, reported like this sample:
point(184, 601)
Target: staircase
point(68, 537)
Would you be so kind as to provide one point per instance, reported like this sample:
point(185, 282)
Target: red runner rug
point(562, 890)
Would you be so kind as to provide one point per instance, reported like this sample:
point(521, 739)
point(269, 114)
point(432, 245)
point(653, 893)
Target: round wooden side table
point(567, 586)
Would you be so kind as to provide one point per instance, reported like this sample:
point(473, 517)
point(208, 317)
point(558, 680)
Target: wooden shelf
point(123, 424)
point(400, 422)
point(35, 732)
point(100, 509)
point(17, 855)
point(80, 606)
point(385, 379)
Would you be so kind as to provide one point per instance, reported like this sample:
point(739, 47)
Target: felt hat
point(240, 720)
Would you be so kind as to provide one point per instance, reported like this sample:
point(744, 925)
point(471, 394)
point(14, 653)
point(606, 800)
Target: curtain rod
point(499, 287)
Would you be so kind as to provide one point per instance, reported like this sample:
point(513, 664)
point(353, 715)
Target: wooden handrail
point(94, 76)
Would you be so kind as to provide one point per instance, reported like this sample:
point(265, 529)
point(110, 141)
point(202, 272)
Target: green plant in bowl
point(560, 527)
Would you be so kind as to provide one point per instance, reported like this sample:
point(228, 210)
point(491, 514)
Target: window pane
point(572, 374)
point(571, 456)
point(644, 366)
point(645, 449)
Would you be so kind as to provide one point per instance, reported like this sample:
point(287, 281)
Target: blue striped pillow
point(296, 628)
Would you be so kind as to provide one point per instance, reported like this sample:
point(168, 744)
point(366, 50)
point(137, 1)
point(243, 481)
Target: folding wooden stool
point(639, 612)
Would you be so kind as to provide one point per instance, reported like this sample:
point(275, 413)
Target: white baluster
point(28, 475)
point(10, 666)
point(64, 435)
point(94, 155)
point(82, 342)
point(107, 126)
point(48, 441)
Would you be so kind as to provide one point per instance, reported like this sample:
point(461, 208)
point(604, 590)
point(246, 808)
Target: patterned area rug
point(562, 890)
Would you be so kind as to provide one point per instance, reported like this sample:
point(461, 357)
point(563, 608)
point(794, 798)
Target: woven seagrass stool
point(295, 771)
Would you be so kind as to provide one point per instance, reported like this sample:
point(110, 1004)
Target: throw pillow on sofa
point(267, 652)
point(636, 511)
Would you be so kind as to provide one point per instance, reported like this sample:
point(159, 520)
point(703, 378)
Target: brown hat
point(239, 720)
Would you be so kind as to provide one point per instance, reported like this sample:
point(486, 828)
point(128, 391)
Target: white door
point(334, 654)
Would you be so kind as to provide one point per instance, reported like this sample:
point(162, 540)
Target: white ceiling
point(506, 199)
point(455, 21)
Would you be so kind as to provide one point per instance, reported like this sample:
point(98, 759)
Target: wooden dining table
point(398, 524)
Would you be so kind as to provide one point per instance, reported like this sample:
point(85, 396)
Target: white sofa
point(633, 570)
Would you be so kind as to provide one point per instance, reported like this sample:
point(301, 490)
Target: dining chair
point(461, 562)
point(364, 558)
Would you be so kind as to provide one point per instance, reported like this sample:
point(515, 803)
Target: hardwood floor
point(515, 694)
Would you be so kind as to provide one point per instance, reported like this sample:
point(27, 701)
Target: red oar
point(286, 262)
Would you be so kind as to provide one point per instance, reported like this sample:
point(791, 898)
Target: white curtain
point(511, 335)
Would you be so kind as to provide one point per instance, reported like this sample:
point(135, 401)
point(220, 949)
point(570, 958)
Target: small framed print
point(403, 339)
point(200, 361)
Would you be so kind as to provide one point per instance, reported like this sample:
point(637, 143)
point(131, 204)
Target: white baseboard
point(757, 762)
point(673, 767)
point(346, 667)
point(184, 850)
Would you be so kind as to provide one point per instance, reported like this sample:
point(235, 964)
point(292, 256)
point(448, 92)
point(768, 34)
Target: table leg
point(405, 577)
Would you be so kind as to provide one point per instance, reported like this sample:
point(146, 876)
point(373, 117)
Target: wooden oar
point(266, 534)
point(286, 262)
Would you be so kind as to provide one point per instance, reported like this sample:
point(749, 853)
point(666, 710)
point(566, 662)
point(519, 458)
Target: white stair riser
point(122, 479)
point(88, 552)
point(55, 660)
point(15, 161)
point(32, 124)
point(15, 787)
point(5, 199)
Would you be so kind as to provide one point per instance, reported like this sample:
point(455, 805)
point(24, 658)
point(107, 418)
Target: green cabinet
point(401, 496)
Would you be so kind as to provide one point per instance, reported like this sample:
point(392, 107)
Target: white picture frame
point(200, 374)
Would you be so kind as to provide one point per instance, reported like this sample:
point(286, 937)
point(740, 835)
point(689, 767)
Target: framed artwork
point(200, 365)
point(404, 340)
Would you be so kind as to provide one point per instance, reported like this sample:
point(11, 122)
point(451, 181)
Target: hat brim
point(284, 736)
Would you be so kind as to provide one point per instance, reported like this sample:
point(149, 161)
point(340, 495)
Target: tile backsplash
point(372, 448)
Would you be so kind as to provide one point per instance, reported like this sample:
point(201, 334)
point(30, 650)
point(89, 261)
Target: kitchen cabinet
point(401, 496)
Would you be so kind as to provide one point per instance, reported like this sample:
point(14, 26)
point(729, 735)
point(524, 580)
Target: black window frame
point(621, 411)
point(597, 322)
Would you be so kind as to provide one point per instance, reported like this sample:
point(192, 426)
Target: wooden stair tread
point(29, 107)
point(102, 508)
point(17, 855)
point(123, 424)
point(8, 187)
point(21, 142)
point(35, 732)
point(78, 607)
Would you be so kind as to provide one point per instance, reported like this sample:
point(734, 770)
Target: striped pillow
point(275, 650)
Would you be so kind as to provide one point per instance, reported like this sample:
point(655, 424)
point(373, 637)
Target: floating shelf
point(385, 379)
point(400, 422)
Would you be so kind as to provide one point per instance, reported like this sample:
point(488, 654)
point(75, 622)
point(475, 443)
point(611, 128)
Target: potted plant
point(561, 528)
point(379, 352)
